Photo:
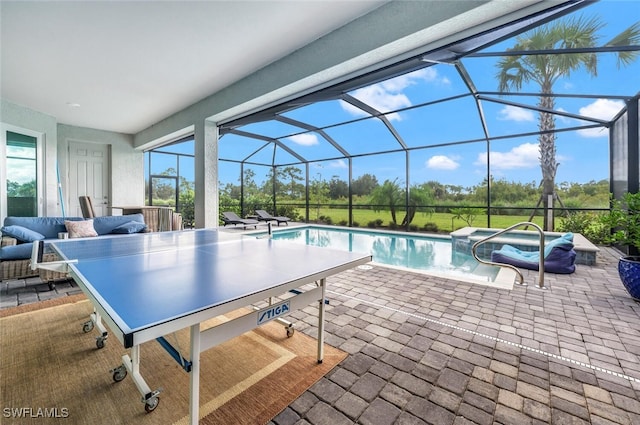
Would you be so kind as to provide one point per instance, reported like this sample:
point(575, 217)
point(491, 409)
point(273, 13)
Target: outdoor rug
point(52, 372)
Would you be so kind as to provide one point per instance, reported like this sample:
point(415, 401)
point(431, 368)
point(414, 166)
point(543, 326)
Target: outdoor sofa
point(19, 233)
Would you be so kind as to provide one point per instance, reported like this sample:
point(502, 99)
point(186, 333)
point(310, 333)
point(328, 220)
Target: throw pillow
point(80, 229)
point(16, 252)
point(22, 233)
point(129, 227)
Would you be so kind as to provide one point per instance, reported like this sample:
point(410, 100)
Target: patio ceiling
point(125, 65)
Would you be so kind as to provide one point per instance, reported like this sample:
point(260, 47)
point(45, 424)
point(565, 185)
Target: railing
point(521, 278)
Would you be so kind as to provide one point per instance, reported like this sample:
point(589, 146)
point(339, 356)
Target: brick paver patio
point(428, 350)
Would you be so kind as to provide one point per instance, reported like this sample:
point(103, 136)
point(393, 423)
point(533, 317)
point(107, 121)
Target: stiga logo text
point(35, 412)
point(272, 312)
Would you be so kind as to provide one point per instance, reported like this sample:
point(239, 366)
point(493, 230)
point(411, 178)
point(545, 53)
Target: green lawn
point(442, 220)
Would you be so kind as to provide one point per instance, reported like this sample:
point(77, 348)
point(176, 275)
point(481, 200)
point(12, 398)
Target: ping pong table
point(147, 286)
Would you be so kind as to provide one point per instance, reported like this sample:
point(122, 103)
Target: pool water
point(431, 254)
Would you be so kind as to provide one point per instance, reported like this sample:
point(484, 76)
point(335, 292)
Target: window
point(171, 178)
point(20, 179)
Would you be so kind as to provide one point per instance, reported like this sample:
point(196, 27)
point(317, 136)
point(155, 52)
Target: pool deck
point(426, 349)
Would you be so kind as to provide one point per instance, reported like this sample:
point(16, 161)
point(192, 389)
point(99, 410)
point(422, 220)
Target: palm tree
point(390, 196)
point(546, 69)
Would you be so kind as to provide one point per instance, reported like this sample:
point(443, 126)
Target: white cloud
point(604, 109)
point(514, 113)
point(522, 156)
point(387, 95)
point(338, 163)
point(305, 139)
point(442, 162)
point(379, 98)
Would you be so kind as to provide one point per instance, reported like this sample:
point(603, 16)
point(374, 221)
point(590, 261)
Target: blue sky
point(583, 155)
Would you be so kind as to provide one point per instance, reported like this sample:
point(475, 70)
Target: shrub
point(371, 224)
point(343, 222)
point(288, 211)
point(430, 227)
point(589, 225)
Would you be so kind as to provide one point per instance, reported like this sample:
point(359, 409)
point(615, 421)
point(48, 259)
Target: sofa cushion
point(80, 229)
point(49, 227)
point(22, 234)
point(16, 252)
point(105, 225)
point(130, 227)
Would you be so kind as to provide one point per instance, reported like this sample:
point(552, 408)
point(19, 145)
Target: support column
point(206, 174)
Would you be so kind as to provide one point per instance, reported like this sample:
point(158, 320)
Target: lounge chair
point(232, 218)
point(265, 216)
point(559, 256)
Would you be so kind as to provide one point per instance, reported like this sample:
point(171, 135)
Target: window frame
point(4, 128)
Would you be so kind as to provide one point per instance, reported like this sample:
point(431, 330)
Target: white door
point(88, 176)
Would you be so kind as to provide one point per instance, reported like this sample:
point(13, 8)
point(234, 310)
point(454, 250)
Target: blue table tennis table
point(147, 286)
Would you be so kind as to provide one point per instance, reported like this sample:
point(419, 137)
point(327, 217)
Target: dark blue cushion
point(130, 227)
point(16, 252)
point(106, 224)
point(22, 233)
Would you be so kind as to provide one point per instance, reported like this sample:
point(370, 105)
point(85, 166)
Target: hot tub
point(463, 239)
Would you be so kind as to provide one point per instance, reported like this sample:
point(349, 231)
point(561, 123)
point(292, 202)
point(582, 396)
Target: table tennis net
point(118, 246)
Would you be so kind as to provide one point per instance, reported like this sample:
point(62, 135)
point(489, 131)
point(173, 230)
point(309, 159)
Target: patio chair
point(86, 206)
point(265, 216)
point(229, 217)
point(559, 256)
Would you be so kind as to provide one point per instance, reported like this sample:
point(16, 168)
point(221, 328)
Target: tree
point(419, 197)
point(293, 176)
point(364, 185)
point(546, 69)
point(338, 188)
point(288, 181)
point(318, 193)
point(248, 182)
point(388, 197)
point(24, 190)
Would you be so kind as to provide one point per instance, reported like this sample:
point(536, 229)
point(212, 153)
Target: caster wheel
point(100, 342)
point(87, 327)
point(290, 332)
point(151, 404)
point(119, 373)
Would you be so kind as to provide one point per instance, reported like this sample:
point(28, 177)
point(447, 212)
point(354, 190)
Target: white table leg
point(195, 375)
point(323, 285)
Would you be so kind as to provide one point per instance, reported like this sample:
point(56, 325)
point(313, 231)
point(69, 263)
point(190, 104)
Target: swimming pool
point(430, 254)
